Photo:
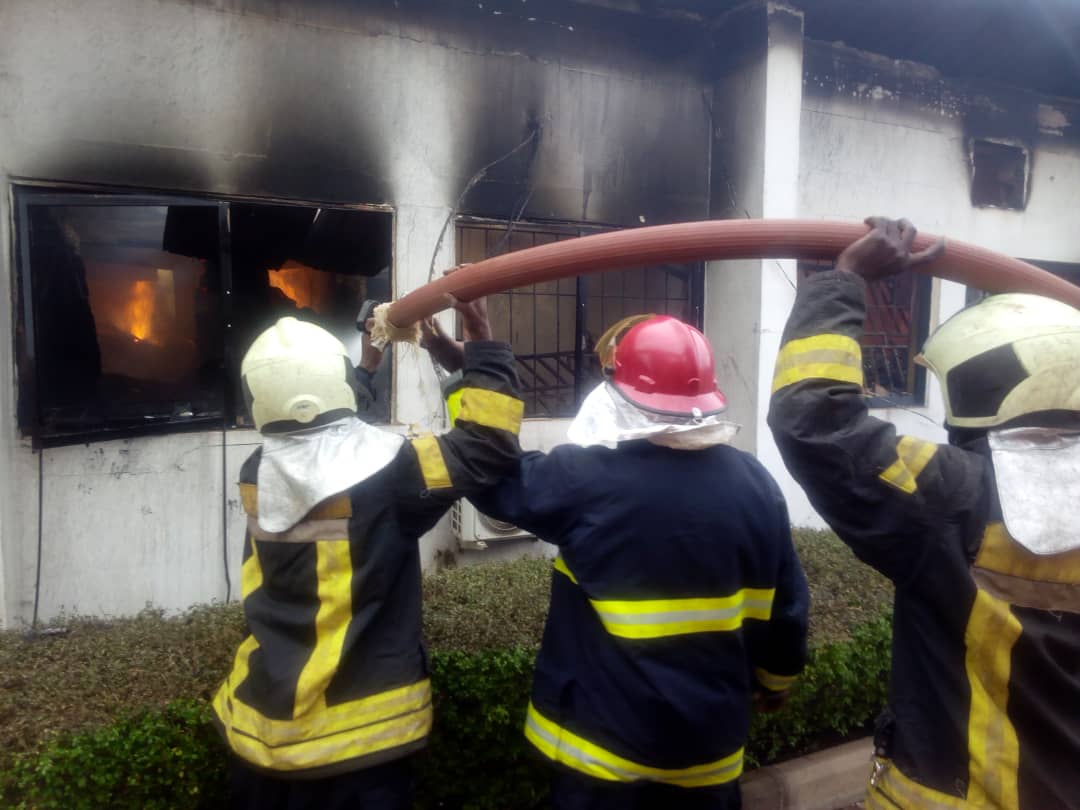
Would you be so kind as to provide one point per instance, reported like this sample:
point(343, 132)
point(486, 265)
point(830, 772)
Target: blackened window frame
point(561, 230)
point(26, 349)
point(27, 193)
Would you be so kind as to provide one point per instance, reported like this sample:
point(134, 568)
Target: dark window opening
point(553, 326)
point(314, 264)
point(998, 175)
point(896, 326)
point(136, 311)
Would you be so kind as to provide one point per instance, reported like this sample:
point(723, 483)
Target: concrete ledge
point(826, 780)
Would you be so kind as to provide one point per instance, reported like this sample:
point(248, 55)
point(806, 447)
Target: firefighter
point(677, 595)
point(978, 534)
point(329, 694)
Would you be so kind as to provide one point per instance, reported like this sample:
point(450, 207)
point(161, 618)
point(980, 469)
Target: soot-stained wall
point(386, 103)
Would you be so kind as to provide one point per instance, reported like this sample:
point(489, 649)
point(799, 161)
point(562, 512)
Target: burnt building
point(178, 174)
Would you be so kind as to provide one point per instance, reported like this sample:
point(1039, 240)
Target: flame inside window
point(139, 312)
point(305, 286)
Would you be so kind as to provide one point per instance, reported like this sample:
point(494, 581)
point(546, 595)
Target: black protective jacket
point(984, 707)
point(333, 676)
point(676, 593)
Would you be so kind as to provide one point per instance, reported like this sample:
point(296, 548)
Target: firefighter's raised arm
point(874, 487)
point(482, 444)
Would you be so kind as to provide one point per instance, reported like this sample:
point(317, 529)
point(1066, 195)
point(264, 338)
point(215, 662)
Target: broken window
point(136, 311)
point(553, 326)
point(998, 175)
point(315, 264)
point(896, 325)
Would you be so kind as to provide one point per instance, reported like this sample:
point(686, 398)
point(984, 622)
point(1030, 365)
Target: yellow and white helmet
point(297, 375)
point(1007, 357)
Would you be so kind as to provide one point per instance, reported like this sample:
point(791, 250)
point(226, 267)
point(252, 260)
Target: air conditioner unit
point(474, 529)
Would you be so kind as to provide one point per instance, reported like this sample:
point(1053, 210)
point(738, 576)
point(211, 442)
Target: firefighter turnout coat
point(333, 676)
point(984, 706)
point(675, 594)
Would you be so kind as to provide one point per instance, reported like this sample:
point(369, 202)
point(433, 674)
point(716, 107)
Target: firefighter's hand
point(886, 250)
point(448, 353)
point(766, 701)
point(370, 357)
point(474, 318)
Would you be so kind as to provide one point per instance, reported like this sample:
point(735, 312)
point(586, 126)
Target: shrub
point(154, 760)
point(116, 713)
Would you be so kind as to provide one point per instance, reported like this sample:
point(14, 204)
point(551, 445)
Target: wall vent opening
point(999, 175)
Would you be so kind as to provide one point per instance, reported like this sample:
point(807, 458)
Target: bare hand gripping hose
point(700, 241)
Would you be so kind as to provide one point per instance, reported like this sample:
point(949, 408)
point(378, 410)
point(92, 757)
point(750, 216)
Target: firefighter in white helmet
point(677, 599)
point(329, 693)
point(978, 535)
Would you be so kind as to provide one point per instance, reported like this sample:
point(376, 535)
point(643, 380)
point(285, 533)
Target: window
point(998, 175)
point(553, 326)
point(135, 311)
point(1066, 270)
point(896, 325)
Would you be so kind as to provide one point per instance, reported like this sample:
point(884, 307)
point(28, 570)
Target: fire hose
point(703, 241)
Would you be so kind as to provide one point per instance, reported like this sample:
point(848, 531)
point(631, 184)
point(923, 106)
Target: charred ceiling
point(985, 109)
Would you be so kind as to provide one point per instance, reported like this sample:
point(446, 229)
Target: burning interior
point(137, 315)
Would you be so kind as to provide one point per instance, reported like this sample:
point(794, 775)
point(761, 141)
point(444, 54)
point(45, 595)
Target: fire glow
point(138, 315)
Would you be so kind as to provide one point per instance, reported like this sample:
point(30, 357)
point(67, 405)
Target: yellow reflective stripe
point(821, 357)
point(357, 737)
point(563, 746)
point(774, 683)
point(491, 409)
point(912, 457)
point(999, 552)
point(350, 717)
point(432, 463)
point(656, 618)
point(453, 405)
point(891, 789)
point(560, 566)
point(993, 747)
point(251, 575)
point(238, 674)
point(334, 572)
point(249, 497)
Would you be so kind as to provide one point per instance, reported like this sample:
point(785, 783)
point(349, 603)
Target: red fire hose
point(714, 239)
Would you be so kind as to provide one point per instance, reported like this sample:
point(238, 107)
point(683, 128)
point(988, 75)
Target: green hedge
point(67, 749)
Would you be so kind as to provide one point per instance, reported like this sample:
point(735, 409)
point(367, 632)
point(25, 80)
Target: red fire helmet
point(666, 366)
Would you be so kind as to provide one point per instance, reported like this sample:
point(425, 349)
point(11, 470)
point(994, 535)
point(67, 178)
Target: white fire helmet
point(1006, 359)
point(297, 375)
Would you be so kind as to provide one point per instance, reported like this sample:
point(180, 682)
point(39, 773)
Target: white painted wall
point(869, 149)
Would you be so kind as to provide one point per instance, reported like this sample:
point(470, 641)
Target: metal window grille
point(553, 326)
point(897, 321)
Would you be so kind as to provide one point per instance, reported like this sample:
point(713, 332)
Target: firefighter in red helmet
point(677, 595)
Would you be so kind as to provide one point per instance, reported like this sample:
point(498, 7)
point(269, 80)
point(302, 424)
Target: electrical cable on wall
point(40, 534)
point(515, 216)
point(225, 512)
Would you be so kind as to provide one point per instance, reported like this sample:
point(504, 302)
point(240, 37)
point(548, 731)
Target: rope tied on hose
point(385, 331)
